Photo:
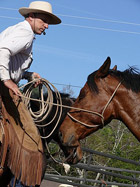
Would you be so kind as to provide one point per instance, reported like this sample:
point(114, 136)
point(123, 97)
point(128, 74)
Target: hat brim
point(53, 19)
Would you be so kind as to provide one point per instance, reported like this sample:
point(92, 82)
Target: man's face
point(40, 23)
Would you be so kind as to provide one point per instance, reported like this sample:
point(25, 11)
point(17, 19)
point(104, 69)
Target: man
point(15, 59)
point(16, 43)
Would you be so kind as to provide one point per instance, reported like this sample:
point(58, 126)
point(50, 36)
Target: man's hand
point(12, 86)
point(36, 76)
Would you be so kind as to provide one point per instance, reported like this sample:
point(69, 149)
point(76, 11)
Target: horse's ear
point(115, 68)
point(103, 70)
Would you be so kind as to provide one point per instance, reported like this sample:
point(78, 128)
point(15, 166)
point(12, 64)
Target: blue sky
point(90, 31)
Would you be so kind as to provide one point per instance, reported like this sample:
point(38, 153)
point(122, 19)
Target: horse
point(45, 131)
point(108, 94)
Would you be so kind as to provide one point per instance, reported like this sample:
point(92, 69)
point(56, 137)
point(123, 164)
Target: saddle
point(21, 149)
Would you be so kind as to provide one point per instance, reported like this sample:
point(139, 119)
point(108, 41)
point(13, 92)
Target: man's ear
point(31, 16)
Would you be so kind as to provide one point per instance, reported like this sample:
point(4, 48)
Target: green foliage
point(115, 139)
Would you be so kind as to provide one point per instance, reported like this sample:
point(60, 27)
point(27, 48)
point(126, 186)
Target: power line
point(87, 27)
point(103, 20)
point(87, 18)
point(67, 85)
point(101, 28)
point(7, 17)
point(8, 8)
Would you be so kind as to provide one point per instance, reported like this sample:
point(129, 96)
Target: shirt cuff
point(27, 75)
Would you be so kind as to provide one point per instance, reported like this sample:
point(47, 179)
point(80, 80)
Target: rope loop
point(47, 96)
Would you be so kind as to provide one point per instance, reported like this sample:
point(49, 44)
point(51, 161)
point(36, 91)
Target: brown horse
point(108, 94)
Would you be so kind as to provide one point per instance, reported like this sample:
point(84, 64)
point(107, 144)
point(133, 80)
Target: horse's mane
point(130, 79)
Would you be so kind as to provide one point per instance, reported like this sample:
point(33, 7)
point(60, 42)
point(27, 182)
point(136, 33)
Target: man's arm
point(12, 86)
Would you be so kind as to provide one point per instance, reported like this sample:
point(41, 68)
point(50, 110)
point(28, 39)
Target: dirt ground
point(46, 183)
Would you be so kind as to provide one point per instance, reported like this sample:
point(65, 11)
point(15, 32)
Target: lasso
point(45, 106)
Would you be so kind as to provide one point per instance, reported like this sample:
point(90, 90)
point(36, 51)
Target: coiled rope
point(45, 105)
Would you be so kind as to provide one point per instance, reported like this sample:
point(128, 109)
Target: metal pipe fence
point(103, 170)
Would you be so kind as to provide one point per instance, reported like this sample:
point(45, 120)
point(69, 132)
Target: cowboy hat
point(40, 7)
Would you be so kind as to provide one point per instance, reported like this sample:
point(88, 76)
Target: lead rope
point(70, 107)
point(27, 97)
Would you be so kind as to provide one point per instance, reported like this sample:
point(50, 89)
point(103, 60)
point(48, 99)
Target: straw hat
point(40, 7)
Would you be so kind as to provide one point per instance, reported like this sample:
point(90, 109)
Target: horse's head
point(96, 100)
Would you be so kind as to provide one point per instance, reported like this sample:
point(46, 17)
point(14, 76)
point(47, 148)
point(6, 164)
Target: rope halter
point(95, 113)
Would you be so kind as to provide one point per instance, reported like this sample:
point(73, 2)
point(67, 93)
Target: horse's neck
point(129, 111)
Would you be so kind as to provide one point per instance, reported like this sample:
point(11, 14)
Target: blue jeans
point(18, 183)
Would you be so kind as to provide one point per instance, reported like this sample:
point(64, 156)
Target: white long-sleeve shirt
point(15, 51)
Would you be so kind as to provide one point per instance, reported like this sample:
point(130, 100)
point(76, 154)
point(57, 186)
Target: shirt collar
point(28, 26)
